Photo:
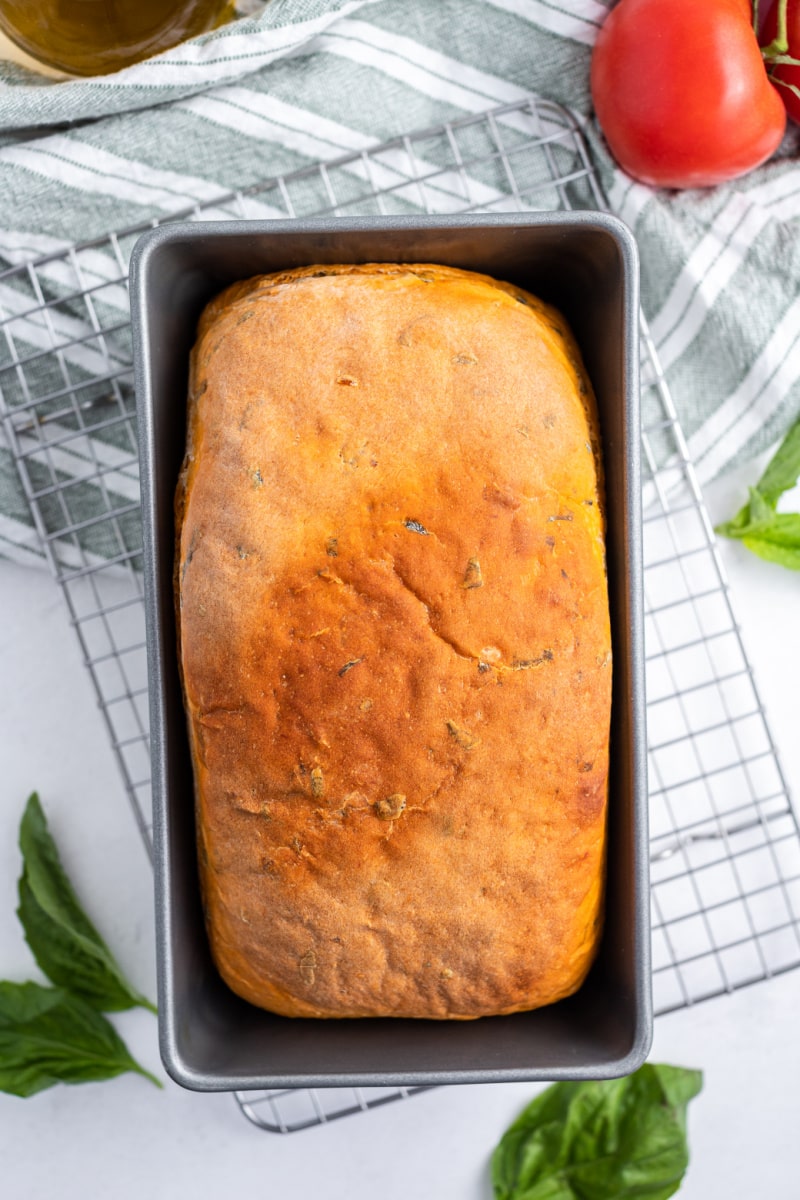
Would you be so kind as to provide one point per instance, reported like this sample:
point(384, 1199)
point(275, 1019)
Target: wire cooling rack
point(725, 844)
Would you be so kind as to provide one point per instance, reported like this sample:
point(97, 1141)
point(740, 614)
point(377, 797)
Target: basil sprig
point(769, 534)
point(48, 1036)
point(64, 941)
point(52, 1035)
point(600, 1140)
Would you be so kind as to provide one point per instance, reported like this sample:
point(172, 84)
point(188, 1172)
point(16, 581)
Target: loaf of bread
point(394, 643)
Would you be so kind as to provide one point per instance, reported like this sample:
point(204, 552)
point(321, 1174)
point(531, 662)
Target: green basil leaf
point(761, 510)
point(783, 469)
point(64, 941)
point(769, 534)
point(757, 514)
point(736, 526)
point(600, 1140)
point(776, 545)
point(49, 1036)
point(782, 528)
point(775, 538)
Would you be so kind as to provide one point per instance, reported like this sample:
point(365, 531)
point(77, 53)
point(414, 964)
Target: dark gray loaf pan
point(586, 264)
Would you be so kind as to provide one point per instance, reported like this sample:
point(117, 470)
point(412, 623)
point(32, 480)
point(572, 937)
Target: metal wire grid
point(725, 842)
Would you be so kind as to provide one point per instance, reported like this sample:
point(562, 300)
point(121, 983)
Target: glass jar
point(94, 37)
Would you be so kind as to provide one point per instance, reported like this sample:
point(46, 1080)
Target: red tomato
point(681, 91)
point(786, 73)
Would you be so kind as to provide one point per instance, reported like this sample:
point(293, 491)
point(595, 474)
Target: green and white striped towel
point(314, 79)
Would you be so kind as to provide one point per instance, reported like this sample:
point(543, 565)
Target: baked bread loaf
point(394, 643)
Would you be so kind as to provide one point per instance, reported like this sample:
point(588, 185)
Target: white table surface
point(126, 1139)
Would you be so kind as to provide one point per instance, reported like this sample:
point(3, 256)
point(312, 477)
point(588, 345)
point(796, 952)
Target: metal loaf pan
point(586, 264)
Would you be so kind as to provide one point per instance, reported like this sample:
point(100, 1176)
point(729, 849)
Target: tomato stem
point(789, 86)
point(780, 43)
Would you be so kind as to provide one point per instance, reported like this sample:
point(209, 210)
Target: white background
point(126, 1139)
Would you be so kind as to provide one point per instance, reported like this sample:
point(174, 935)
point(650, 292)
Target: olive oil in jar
point(94, 37)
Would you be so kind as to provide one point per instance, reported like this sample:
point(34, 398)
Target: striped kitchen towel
point(310, 80)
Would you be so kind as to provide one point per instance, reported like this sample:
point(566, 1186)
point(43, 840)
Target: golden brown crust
point(394, 643)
